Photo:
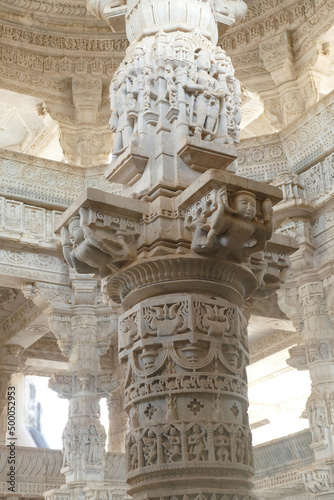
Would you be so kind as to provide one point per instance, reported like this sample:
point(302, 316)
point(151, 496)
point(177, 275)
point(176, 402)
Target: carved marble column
point(315, 353)
point(180, 251)
point(83, 332)
point(10, 362)
point(118, 421)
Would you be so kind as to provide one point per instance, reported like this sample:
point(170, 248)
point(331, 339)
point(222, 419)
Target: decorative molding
point(38, 470)
point(294, 149)
point(34, 38)
point(46, 182)
point(33, 266)
point(271, 344)
point(19, 320)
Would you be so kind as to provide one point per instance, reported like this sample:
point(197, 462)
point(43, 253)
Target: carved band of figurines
point(189, 443)
point(184, 71)
point(205, 382)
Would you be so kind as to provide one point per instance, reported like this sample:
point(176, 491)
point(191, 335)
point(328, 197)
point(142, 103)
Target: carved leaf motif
point(214, 320)
point(167, 319)
point(128, 330)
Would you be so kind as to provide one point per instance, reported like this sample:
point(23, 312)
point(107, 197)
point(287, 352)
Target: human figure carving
point(225, 73)
point(173, 444)
point(120, 121)
point(150, 448)
point(204, 105)
point(240, 447)
point(79, 253)
point(89, 251)
point(315, 483)
point(134, 454)
point(67, 447)
point(196, 443)
point(222, 444)
point(236, 229)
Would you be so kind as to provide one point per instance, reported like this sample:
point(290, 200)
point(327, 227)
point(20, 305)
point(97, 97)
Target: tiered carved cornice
point(280, 51)
point(50, 58)
point(294, 149)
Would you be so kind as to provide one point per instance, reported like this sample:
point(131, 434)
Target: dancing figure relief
point(172, 446)
point(150, 448)
point(196, 444)
point(222, 445)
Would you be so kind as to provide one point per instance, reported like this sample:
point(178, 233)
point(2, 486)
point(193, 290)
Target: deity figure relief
point(173, 444)
point(316, 482)
point(67, 446)
point(120, 100)
point(150, 448)
point(93, 449)
point(240, 447)
point(225, 74)
point(222, 445)
point(133, 453)
point(196, 444)
point(204, 105)
point(132, 96)
point(171, 90)
point(317, 418)
point(234, 231)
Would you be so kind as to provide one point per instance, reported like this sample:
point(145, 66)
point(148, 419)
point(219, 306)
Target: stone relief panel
point(316, 481)
point(33, 266)
point(28, 223)
point(302, 142)
point(310, 137)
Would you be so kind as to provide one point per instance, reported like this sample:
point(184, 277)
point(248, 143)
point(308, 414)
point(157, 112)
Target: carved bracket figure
point(233, 225)
point(99, 241)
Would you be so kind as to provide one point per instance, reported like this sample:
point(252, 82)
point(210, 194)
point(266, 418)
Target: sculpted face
point(245, 204)
point(76, 232)
point(203, 62)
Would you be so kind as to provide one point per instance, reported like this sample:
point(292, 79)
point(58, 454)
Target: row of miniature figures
point(196, 85)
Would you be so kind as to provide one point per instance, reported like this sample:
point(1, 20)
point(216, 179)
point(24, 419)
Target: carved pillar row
point(83, 327)
point(10, 363)
point(312, 303)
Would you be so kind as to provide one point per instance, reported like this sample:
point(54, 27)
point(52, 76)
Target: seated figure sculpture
point(234, 231)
